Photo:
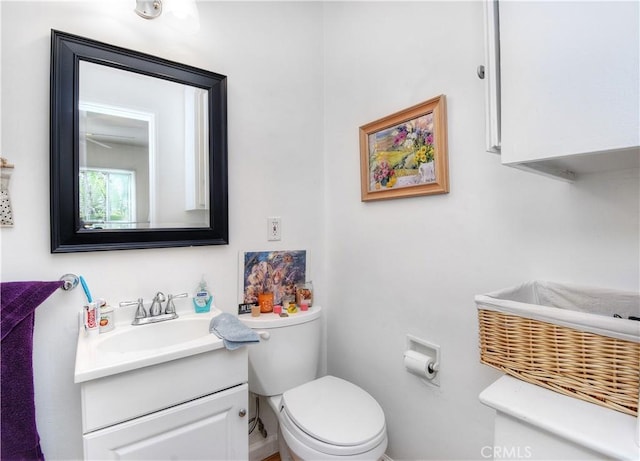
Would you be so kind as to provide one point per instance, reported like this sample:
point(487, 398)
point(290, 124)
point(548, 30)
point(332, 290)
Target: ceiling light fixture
point(149, 9)
point(179, 14)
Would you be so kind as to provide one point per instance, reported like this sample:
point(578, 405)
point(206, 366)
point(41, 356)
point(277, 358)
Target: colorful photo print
point(276, 272)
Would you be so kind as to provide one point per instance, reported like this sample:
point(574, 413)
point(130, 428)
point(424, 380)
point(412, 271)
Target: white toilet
point(319, 419)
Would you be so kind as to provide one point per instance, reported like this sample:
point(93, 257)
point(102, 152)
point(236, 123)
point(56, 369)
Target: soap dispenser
point(203, 298)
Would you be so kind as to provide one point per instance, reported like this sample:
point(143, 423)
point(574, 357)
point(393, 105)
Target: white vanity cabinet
point(192, 407)
point(569, 85)
point(209, 428)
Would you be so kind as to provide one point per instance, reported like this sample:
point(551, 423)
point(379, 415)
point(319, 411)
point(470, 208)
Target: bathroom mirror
point(138, 150)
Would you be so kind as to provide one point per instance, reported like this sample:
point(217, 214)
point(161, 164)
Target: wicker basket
point(599, 369)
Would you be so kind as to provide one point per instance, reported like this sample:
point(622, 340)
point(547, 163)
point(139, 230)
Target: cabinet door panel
point(569, 77)
point(208, 428)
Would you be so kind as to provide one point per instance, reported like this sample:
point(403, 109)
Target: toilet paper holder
point(422, 359)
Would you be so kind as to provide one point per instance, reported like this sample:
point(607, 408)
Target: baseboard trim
point(263, 448)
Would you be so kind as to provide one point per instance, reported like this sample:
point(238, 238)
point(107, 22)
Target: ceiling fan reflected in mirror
point(107, 130)
point(100, 139)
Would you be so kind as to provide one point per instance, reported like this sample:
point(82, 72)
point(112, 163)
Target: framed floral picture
point(405, 154)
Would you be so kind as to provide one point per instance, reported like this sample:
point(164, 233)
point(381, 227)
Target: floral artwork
point(396, 154)
point(276, 272)
point(406, 151)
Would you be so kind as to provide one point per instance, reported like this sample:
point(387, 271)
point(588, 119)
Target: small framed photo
point(405, 154)
point(274, 272)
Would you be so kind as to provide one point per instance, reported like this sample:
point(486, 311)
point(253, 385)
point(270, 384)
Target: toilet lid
point(334, 411)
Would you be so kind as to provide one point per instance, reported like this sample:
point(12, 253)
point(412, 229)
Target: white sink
point(170, 333)
point(130, 347)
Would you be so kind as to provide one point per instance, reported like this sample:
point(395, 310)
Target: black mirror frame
point(66, 234)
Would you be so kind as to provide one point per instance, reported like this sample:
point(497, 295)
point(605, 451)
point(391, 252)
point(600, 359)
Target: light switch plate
point(274, 228)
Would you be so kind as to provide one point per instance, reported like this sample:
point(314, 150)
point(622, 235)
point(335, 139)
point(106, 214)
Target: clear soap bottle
point(202, 298)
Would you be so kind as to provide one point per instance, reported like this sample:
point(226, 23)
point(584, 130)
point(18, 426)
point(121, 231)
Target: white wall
point(414, 265)
point(300, 83)
point(275, 147)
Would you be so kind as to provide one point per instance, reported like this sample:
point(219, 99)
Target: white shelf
point(607, 432)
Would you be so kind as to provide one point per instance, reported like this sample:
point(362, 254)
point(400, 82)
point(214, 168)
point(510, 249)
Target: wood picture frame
point(405, 154)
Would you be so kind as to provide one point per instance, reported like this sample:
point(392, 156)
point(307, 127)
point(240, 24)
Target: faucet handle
point(140, 311)
point(171, 308)
point(128, 303)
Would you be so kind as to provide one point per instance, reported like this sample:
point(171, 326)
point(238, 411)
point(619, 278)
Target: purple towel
point(18, 301)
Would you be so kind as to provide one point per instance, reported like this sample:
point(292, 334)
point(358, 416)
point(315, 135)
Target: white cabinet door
point(569, 78)
point(209, 428)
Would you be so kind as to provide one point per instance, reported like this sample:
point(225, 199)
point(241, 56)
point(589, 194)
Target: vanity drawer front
point(210, 428)
point(117, 398)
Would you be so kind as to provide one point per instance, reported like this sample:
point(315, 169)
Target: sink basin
point(130, 347)
point(170, 333)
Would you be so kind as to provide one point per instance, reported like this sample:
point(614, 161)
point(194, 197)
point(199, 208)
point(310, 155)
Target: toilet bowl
point(327, 418)
point(330, 418)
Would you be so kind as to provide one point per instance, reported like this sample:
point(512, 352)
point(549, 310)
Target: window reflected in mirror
point(107, 198)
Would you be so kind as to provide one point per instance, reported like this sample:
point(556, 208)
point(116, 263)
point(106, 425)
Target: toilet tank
point(288, 352)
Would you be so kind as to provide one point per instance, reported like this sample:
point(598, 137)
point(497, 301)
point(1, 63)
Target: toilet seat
point(334, 417)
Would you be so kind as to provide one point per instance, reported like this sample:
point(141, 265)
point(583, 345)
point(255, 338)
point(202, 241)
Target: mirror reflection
point(138, 150)
point(143, 151)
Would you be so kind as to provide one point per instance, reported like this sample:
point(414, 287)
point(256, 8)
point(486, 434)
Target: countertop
point(606, 431)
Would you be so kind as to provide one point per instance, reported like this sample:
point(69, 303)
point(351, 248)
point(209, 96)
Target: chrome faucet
point(156, 304)
point(171, 308)
point(155, 310)
point(141, 313)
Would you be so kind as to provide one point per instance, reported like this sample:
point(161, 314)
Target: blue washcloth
point(232, 331)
